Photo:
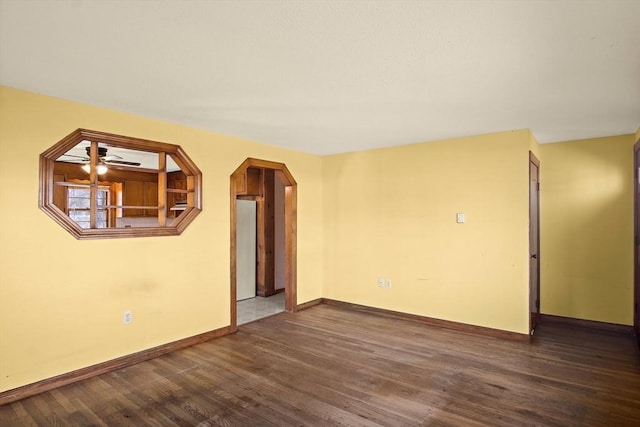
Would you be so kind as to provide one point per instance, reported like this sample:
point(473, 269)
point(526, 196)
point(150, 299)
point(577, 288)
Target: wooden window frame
point(188, 167)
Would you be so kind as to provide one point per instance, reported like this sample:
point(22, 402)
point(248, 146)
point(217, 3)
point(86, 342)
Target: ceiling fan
point(103, 158)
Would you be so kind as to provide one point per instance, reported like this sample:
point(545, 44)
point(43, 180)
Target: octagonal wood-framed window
point(101, 185)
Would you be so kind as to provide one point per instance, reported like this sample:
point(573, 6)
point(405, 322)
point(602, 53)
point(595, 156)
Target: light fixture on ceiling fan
point(102, 169)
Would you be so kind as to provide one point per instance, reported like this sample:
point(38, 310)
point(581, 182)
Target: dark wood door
point(636, 246)
point(265, 275)
point(534, 242)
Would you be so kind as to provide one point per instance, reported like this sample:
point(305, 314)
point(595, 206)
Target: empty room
point(314, 213)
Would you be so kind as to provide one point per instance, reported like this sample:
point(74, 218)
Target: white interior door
point(246, 249)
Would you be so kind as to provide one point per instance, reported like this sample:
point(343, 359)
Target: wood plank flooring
point(330, 366)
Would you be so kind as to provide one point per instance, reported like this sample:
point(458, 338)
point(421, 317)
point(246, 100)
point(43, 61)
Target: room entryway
point(263, 240)
point(250, 305)
point(534, 242)
point(636, 246)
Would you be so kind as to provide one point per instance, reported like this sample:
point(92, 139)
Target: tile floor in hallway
point(256, 308)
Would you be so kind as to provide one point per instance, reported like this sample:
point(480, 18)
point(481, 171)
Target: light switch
point(460, 217)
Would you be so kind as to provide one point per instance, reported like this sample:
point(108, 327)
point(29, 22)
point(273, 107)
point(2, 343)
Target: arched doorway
point(247, 182)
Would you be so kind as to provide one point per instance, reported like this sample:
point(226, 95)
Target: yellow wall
point(587, 229)
point(62, 300)
point(391, 213)
point(386, 213)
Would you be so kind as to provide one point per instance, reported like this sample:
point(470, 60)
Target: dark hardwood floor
point(330, 366)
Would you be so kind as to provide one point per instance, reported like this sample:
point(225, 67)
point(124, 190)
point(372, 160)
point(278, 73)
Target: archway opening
point(253, 180)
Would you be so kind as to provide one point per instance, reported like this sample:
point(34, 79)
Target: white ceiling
point(335, 76)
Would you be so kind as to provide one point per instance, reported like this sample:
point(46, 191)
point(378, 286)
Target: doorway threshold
point(256, 308)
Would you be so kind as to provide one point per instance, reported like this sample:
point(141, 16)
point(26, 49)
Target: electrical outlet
point(381, 282)
point(127, 317)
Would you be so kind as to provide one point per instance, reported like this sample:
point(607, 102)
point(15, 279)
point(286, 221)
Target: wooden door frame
point(534, 160)
point(636, 267)
point(290, 227)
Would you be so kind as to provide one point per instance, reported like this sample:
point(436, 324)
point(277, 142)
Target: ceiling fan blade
point(111, 157)
point(77, 157)
point(121, 162)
